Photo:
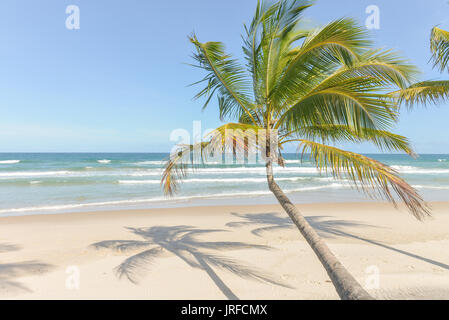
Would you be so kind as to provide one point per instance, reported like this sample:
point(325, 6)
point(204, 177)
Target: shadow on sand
point(182, 242)
point(326, 228)
point(10, 271)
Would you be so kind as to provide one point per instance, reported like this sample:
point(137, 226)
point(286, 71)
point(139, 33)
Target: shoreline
point(299, 198)
point(182, 207)
point(253, 252)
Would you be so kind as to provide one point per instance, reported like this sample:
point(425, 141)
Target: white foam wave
point(223, 173)
point(155, 172)
point(431, 187)
point(79, 205)
point(416, 170)
point(139, 181)
point(104, 161)
point(256, 170)
point(9, 161)
point(225, 180)
point(162, 199)
point(152, 162)
point(33, 173)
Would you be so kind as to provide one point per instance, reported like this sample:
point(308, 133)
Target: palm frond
point(323, 51)
point(384, 140)
point(184, 158)
point(387, 66)
point(439, 45)
point(226, 77)
point(227, 138)
point(424, 92)
point(271, 29)
point(365, 83)
point(357, 108)
point(371, 176)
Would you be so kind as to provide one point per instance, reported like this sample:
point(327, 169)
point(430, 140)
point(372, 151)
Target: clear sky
point(119, 83)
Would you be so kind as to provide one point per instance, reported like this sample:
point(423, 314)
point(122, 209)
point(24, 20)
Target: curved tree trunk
point(347, 287)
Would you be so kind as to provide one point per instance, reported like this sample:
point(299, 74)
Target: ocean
point(34, 183)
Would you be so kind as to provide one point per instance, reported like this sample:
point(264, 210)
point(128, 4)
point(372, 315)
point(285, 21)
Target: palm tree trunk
point(347, 287)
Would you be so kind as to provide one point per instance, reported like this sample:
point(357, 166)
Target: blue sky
point(119, 83)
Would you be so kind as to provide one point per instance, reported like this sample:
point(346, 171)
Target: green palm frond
point(359, 87)
point(227, 138)
point(180, 161)
point(439, 45)
point(340, 105)
point(376, 70)
point(429, 92)
point(424, 92)
point(322, 51)
point(226, 76)
point(271, 31)
point(371, 176)
point(384, 140)
point(387, 66)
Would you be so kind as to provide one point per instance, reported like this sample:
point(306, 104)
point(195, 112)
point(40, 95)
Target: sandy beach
point(225, 252)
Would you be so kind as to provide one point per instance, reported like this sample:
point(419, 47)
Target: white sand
point(185, 253)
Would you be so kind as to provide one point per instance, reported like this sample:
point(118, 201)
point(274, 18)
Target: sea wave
point(256, 170)
point(33, 173)
point(417, 170)
point(104, 161)
point(238, 172)
point(139, 181)
point(431, 187)
point(226, 180)
point(163, 199)
point(151, 162)
point(231, 170)
point(9, 161)
point(157, 172)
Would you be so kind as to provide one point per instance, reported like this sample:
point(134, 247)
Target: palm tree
point(314, 88)
point(426, 92)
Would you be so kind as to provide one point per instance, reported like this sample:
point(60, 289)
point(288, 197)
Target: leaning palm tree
point(314, 88)
point(430, 92)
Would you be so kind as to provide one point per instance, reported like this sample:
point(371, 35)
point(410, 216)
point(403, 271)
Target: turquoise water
point(35, 183)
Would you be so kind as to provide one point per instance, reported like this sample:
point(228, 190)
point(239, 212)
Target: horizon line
point(168, 152)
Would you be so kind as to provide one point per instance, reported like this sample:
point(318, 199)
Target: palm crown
point(316, 88)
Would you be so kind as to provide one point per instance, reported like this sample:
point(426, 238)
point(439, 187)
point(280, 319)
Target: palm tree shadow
point(10, 271)
point(380, 244)
point(270, 221)
point(181, 241)
point(326, 228)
